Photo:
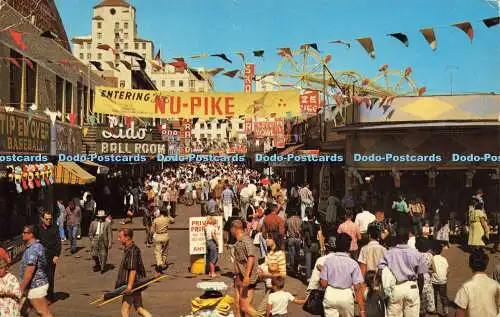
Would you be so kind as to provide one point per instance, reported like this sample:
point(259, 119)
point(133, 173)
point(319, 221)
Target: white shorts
point(38, 292)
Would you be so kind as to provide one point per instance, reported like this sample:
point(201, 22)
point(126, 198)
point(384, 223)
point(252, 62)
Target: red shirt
point(5, 255)
point(353, 231)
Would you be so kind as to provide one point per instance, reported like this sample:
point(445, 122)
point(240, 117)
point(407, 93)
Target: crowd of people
point(349, 257)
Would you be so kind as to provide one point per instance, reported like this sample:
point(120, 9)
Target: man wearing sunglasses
point(48, 235)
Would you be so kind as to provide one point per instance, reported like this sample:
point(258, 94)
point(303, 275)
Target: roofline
point(100, 5)
point(418, 124)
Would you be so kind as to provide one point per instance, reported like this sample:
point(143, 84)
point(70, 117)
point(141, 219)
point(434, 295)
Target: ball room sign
point(162, 104)
point(20, 135)
point(132, 140)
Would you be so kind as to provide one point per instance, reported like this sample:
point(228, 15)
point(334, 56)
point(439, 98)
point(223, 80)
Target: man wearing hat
point(101, 237)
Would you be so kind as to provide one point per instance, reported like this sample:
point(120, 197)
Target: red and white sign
point(248, 126)
point(309, 101)
point(268, 129)
point(197, 236)
point(248, 78)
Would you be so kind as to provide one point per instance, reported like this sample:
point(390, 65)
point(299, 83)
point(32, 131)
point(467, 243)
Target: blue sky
point(190, 27)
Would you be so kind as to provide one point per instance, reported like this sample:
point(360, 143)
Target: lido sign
point(129, 141)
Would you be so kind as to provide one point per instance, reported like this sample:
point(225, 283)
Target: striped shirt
point(132, 261)
point(279, 258)
point(227, 196)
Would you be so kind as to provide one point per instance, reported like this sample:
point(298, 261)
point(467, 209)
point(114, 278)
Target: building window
point(136, 46)
point(88, 46)
point(219, 135)
point(172, 83)
point(209, 126)
point(126, 46)
point(117, 56)
point(143, 46)
point(163, 83)
point(154, 82)
point(125, 25)
point(99, 55)
point(81, 56)
point(117, 35)
point(202, 135)
point(125, 35)
point(201, 90)
point(181, 83)
point(117, 25)
point(112, 11)
point(99, 25)
point(122, 83)
point(240, 126)
point(30, 96)
point(89, 56)
point(15, 80)
point(99, 36)
point(68, 98)
point(59, 93)
point(144, 55)
point(202, 125)
point(117, 45)
point(218, 126)
point(191, 83)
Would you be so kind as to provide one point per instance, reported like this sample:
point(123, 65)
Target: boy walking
point(439, 279)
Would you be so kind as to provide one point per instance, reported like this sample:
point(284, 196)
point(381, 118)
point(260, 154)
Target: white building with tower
point(114, 32)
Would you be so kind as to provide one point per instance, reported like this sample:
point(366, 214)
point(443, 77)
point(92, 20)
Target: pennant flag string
point(222, 56)
point(259, 53)
point(367, 44)
point(430, 37)
point(491, 22)
point(347, 44)
point(232, 73)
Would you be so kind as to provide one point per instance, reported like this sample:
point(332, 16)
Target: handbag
point(314, 303)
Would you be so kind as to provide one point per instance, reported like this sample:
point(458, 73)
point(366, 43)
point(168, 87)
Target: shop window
point(15, 80)
point(30, 96)
point(68, 98)
point(59, 93)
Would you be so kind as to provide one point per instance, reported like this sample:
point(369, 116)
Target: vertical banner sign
point(309, 102)
point(197, 237)
point(186, 126)
point(248, 78)
point(280, 133)
point(248, 126)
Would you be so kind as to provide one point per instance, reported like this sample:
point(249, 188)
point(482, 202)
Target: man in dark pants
point(48, 234)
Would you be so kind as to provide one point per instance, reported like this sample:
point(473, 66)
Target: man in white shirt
point(363, 219)
point(306, 200)
point(246, 197)
point(480, 296)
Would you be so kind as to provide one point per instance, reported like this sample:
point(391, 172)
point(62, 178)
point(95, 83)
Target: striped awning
point(70, 173)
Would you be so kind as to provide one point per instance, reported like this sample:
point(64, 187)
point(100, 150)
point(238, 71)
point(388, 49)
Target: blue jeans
point(62, 234)
point(293, 253)
point(72, 232)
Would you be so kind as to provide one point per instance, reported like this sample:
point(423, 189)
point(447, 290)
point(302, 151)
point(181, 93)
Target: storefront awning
point(291, 149)
point(101, 169)
point(70, 173)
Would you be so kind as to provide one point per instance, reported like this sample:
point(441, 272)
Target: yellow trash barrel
point(198, 264)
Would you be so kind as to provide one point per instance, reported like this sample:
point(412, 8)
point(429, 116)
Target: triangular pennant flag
point(17, 37)
point(401, 37)
point(466, 27)
point(106, 47)
point(127, 64)
point(347, 44)
point(179, 64)
point(49, 34)
point(179, 59)
point(112, 65)
point(328, 58)
point(52, 115)
point(430, 37)
point(304, 46)
point(29, 63)
point(383, 68)
point(222, 56)
point(408, 71)
point(285, 51)
point(422, 90)
point(155, 64)
point(72, 117)
point(231, 73)
point(91, 119)
point(9, 109)
point(259, 53)
point(385, 107)
point(242, 55)
point(367, 44)
point(133, 54)
point(314, 45)
point(214, 71)
point(491, 22)
point(97, 65)
point(14, 61)
point(391, 113)
point(85, 132)
point(158, 56)
point(199, 56)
